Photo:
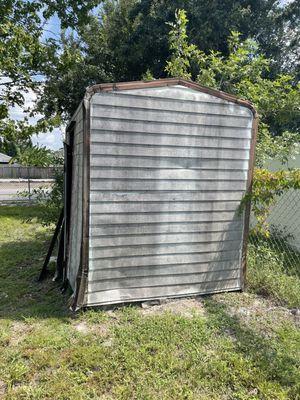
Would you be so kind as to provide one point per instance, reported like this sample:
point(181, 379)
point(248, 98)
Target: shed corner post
point(79, 298)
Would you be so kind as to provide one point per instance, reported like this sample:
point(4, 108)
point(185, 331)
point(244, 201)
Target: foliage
point(267, 187)
point(147, 76)
point(25, 53)
point(243, 73)
point(16, 134)
point(267, 273)
point(34, 156)
point(65, 82)
point(130, 37)
point(281, 148)
point(144, 41)
point(277, 100)
point(50, 203)
point(182, 52)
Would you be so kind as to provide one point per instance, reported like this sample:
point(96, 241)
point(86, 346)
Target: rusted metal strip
point(106, 87)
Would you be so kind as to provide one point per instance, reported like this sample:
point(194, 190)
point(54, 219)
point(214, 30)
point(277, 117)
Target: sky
point(53, 140)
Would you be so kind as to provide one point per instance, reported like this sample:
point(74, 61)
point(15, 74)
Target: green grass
point(228, 346)
point(270, 273)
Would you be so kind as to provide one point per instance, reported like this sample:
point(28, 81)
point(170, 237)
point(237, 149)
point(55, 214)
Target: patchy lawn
point(228, 346)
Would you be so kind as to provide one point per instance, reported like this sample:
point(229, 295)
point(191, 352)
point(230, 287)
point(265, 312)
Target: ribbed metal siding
point(168, 170)
point(76, 200)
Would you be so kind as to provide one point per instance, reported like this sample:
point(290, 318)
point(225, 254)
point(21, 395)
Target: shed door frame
point(68, 180)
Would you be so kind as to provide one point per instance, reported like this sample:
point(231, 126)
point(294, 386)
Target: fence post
point(28, 179)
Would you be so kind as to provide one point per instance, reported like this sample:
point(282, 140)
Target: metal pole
point(51, 247)
point(28, 178)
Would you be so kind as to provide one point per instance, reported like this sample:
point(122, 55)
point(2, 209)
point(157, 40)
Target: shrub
point(268, 274)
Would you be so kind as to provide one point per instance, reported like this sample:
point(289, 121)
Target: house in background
point(4, 159)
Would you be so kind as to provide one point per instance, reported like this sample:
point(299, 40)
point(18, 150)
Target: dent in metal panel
point(158, 239)
point(163, 270)
point(183, 173)
point(139, 294)
point(154, 281)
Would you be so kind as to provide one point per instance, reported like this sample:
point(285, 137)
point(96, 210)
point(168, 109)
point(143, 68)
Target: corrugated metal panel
point(76, 200)
point(104, 160)
point(168, 170)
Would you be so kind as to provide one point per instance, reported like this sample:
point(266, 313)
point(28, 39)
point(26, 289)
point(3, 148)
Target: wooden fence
point(19, 172)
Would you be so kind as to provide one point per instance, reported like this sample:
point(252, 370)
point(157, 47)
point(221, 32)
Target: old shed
point(155, 173)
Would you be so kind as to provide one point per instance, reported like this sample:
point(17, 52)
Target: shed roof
point(156, 83)
point(107, 87)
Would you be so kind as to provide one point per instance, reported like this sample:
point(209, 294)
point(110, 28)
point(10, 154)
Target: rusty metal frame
point(68, 176)
point(79, 299)
point(247, 209)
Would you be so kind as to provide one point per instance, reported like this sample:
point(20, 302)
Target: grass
point(227, 346)
point(270, 273)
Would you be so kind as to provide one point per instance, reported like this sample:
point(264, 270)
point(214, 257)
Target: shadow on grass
point(270, 356)
point(21, 296)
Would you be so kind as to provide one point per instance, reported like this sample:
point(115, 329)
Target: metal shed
point(155, 173)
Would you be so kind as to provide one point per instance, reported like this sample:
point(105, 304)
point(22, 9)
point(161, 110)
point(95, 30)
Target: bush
point(50, 203)
point(269, 275)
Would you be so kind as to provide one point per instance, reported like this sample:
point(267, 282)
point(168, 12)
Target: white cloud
point(52, 140)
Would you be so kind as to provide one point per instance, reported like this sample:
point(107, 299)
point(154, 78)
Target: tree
point(143, 42)
point(78, 64)
point(34, 156)
point(25, 55)
point(244, 73)
point(129, 38)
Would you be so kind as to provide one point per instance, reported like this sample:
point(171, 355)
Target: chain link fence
point(22, 190)
point(284, 240)
point(19, 184)
point(284, 218)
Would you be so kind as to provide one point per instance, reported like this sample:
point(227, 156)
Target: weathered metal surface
point(104, 160)
point(76, 201)
point(168, 168)
point(122, 294)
